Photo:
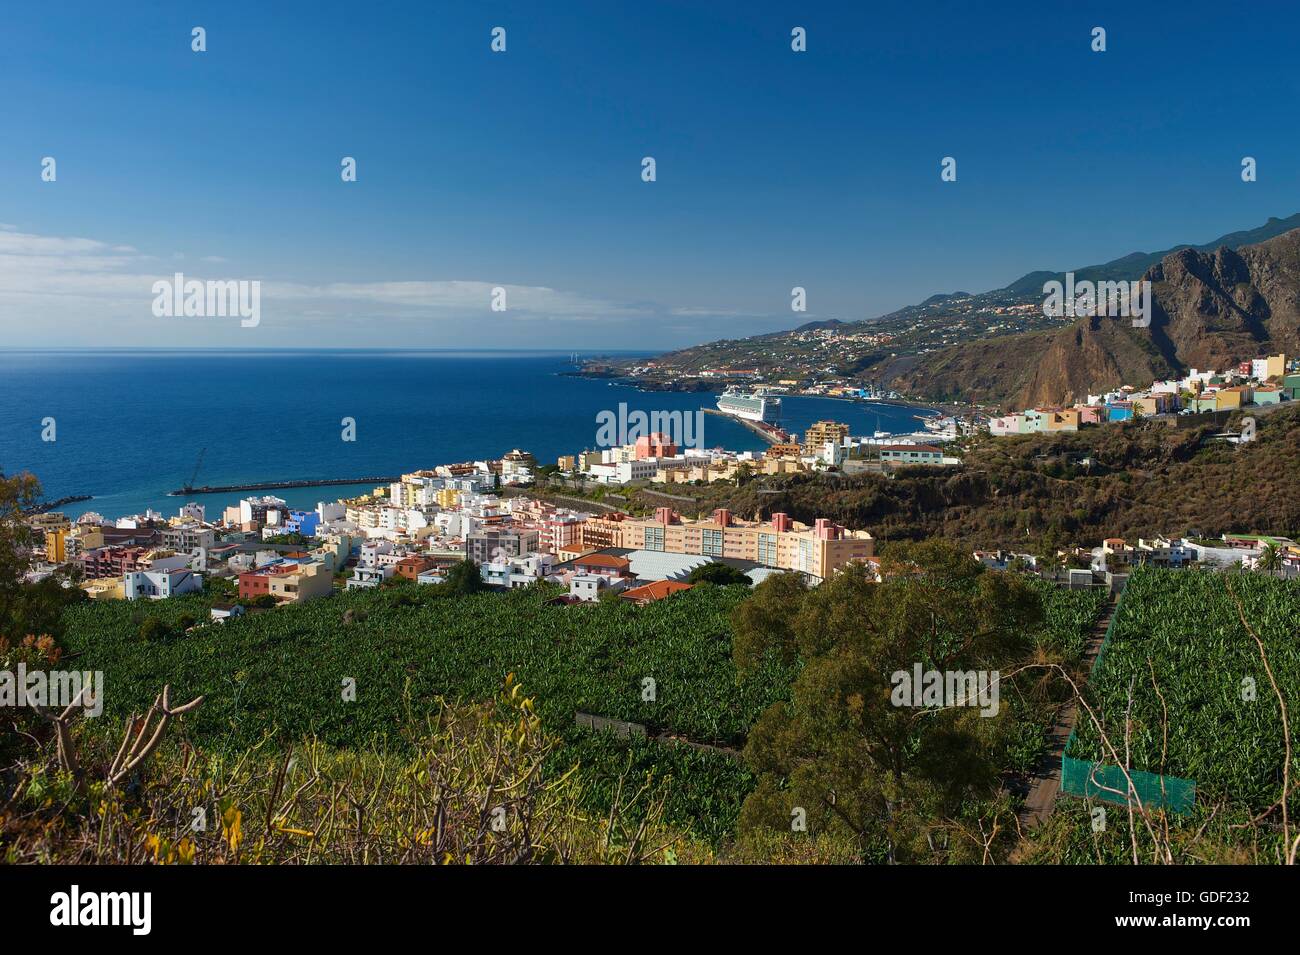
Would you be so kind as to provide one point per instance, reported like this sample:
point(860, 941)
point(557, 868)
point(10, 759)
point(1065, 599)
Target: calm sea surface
point(130, 425)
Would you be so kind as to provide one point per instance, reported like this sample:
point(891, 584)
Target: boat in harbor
point(757, 405)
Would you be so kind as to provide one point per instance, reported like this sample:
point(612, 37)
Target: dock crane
point(189, 485)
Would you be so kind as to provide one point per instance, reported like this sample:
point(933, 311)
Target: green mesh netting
point(1079, 777)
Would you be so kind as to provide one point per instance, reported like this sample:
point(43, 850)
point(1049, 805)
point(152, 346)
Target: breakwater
point(280, 485)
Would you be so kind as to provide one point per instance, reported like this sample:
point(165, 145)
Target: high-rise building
point(819, 432)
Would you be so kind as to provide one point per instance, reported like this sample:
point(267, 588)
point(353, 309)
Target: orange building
point(819, 550)
point(413, 566)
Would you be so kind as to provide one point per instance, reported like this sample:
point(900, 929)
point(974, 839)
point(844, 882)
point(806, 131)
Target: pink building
point(656, 445)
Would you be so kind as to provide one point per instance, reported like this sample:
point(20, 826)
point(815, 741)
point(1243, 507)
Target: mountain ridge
point(1213, 303)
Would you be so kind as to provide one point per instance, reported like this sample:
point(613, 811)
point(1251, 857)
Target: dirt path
point(1045, 780)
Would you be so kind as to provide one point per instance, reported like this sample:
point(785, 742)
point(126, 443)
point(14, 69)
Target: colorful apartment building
point(1009, 424)
point(1066, 419)
point(818, 551)
point(287, 582)
point(820, 432)
point(112, 561)
point(654, 446)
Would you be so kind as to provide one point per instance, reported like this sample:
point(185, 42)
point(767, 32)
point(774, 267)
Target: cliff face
point(1210, 310)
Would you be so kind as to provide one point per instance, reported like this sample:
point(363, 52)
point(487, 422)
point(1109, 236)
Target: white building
point(368, 577)
point(370, 552)
point(193, 512)
point(328, 512)
point(258, 510)
point(160, 584)
point(517, 571)
point(587, 587)
point(220, 613)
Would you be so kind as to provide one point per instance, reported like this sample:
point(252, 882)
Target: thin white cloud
point(82, 282)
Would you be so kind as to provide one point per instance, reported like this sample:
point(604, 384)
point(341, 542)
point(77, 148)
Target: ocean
point(129, 426)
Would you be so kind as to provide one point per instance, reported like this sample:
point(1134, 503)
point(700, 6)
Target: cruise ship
point(752, 406)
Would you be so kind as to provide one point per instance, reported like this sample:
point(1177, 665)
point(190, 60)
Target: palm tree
point(1270, 559)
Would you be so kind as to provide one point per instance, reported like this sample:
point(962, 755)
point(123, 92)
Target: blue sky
point(522, 169)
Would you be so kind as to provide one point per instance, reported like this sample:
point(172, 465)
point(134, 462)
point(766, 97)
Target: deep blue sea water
point(130, 424)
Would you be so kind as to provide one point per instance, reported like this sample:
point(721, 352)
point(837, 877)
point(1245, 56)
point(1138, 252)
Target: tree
point(27, 609)
point(17, 495)
point(720, 574)
point(763, 624)
point(154, 629)
point(1270, 559)
point(464, 578)
point(845, 754)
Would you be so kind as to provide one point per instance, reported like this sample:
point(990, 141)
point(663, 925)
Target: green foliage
point(462, 578)
point(898, 779)
point(282, 672)
point(764, 623)
point(721, 574)
point(153, 629)
point(1180, 647)
point(422, 804)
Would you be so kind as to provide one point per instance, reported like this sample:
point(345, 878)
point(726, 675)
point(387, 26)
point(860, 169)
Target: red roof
point(603, 560)
point(656, 591)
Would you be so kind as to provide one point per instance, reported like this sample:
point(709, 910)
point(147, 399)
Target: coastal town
point(418, 528)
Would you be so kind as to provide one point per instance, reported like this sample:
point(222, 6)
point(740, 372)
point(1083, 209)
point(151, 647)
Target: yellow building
point(1230, 399)
point(567, 462)
point(820, 432)
point(304, 583)
point(447, 497)
point(56, 546)
point(105, 588)
point(1064, 420)
point(783, 466)
point(819, 550)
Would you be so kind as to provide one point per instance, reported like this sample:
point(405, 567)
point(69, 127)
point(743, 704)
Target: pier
point(279, 485)
point(769, 433)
